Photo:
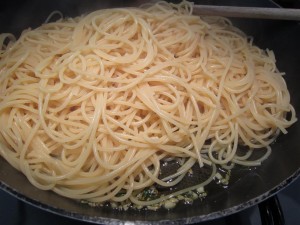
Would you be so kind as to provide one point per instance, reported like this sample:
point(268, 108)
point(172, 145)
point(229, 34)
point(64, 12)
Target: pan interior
point(247, 186)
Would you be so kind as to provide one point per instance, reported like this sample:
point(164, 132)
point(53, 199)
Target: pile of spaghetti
point(90, 107)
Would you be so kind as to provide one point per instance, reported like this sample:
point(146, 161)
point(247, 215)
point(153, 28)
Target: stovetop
point(16, 212)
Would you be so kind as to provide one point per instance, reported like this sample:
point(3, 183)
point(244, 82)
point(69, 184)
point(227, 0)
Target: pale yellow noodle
point(92, 106)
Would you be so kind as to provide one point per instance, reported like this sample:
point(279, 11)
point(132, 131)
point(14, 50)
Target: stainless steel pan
point(247, 186)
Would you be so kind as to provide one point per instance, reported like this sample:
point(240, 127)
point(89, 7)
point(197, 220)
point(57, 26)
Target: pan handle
point(271, 212)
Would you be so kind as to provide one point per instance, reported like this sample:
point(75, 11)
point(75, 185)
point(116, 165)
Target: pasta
point(92, 106)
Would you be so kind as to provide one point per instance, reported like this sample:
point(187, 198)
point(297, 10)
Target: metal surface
point(254, 186)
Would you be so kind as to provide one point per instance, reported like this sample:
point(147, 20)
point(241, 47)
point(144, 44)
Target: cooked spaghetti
point(90, 107)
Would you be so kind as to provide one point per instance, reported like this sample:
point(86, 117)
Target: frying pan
point(247, 187)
